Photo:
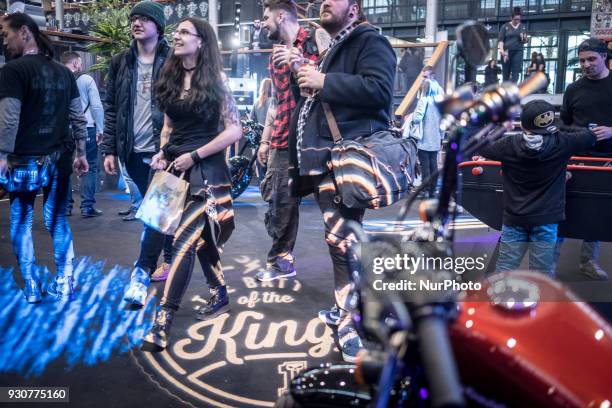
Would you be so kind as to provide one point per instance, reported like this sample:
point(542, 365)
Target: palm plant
point(110, 22)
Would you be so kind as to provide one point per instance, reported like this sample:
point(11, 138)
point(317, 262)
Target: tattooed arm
point(159, 162)
point(11, 97)
point(266, 135)
point(10, 109)
point(166, 130)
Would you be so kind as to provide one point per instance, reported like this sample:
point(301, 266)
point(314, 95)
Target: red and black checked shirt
point(284, 97)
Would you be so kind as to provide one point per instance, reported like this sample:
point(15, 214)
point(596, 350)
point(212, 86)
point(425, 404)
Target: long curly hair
point(207, 86)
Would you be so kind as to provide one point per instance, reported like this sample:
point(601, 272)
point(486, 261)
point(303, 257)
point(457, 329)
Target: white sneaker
point(137, 291)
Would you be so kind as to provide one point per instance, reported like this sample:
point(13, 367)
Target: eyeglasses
point(184, 33)
point(142, 19)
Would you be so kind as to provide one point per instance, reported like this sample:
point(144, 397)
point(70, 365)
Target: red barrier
point(480, 163)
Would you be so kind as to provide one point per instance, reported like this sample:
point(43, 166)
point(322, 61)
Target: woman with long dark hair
point(541, 62)
point(511, 39)
point(541, 67)
point(491, 73)
point(533, 64)
point(197, 104)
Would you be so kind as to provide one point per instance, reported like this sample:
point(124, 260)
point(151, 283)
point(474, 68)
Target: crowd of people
point(169, 106)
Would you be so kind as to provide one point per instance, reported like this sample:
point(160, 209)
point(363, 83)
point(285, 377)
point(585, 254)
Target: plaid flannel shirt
point(285, 104)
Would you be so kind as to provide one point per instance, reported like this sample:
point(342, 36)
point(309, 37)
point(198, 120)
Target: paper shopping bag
point(162, 205)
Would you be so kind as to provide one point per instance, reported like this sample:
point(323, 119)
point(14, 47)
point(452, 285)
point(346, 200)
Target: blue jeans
point(135, 194)
point(540, 240)
point(151, 241)
point(512, 68)
point(89, 180)
point(429, 165)
point(55, 196)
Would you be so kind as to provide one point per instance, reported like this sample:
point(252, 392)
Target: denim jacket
point(427, 117)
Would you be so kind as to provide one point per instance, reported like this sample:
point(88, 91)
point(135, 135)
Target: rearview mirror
point(473, 42)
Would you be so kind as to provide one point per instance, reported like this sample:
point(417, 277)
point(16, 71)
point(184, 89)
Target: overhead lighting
point(236, 41)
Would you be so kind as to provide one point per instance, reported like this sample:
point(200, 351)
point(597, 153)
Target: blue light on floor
point(250, 193)
point(252, 198)
point(119, 196)
point(88, 330)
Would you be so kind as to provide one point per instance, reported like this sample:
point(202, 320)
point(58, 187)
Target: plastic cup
point(308, 92)
point(276, 48)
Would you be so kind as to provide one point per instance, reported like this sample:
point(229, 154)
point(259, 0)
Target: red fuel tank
point(524, 339)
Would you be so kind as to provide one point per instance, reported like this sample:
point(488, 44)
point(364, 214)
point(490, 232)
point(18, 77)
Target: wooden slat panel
point(412, 92)
point(79, 37)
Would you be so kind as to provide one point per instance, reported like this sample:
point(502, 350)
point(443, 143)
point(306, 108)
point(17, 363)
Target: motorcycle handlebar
point(494, 103)
point(439, 362)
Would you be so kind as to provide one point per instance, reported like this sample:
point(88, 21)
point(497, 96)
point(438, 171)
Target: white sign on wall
point(601, 19)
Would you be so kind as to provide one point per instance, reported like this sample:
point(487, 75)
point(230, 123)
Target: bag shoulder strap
point(88, 101)
point(310, 45)
point(331, 122)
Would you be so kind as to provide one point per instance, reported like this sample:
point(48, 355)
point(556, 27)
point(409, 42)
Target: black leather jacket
point(119, 102)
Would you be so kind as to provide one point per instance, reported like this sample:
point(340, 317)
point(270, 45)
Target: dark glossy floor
point(244, 358)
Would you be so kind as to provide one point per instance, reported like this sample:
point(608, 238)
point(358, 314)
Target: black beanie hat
point(153, 10)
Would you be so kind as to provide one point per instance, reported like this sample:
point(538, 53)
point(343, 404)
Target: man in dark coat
point(355, 77)
point(133, 123)
point(132, 130)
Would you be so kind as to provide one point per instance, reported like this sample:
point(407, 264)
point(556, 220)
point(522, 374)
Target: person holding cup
point(355, 78)
point(511, 40)
point(299, 45)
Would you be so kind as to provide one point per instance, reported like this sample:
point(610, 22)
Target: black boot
point(157, 338)
point(218, 304)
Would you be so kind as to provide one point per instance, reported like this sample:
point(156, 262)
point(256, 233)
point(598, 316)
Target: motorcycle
point(240, 166)
point(521, 340)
